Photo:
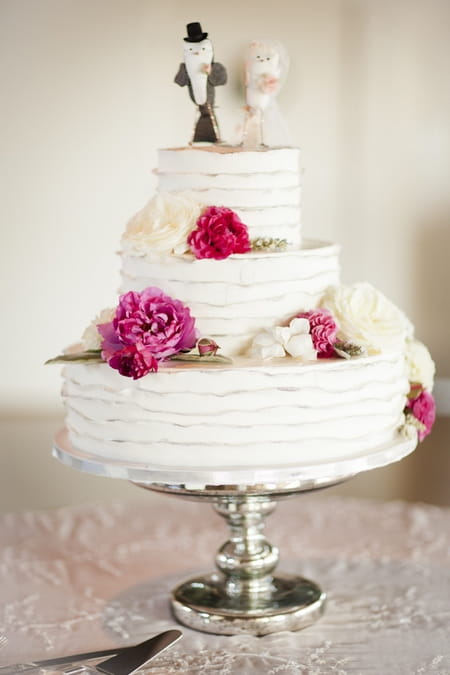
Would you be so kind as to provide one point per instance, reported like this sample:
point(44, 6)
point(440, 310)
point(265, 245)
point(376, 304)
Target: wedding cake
point(234, 345)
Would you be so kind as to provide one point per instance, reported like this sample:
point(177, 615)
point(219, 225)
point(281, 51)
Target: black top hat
point(195, 33)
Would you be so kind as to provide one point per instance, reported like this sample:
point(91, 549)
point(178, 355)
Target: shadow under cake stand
point(244, 595)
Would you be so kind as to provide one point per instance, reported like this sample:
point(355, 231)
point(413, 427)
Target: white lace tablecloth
point(96, 576)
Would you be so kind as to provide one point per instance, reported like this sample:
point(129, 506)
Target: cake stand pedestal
point(245, 595)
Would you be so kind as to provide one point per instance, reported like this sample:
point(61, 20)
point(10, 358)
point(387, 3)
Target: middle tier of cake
point(234, 299)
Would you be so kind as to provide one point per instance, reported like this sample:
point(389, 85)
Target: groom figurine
point(201, 74)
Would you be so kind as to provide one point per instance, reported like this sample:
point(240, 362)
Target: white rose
point(365, 316)
point(91, 338)
point(276, 342)
point(419, 363)
point(163, 225)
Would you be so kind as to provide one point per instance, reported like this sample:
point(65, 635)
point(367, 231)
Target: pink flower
point(147, 328)
point(219, 233)
point(131, 362)
point(423, 408)
point(206, 346)
point(268, 83)
point(323, 330)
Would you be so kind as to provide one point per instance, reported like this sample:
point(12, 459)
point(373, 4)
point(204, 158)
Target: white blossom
point(367, 318)
point(91, 338)
point(293, 340)
point(419, 363)
point(163, 225)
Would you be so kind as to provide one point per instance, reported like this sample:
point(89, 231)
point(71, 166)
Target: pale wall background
point(87, 97)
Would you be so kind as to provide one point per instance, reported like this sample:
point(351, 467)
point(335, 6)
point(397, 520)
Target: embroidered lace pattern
point(95, 576)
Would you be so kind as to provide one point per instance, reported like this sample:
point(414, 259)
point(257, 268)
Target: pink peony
point(323, 330)
point(423, 408)
point(131, 362)
point(219, 233)
point(147, 328)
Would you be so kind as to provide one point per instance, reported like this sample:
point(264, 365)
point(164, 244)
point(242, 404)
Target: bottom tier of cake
point(246, 414)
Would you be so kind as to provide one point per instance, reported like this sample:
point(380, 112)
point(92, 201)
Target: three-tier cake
point(316, 371)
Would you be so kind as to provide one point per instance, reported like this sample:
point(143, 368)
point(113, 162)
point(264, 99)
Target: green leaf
point(88, 356)
point(207, 358)
point(268, 244)
point(347, 349)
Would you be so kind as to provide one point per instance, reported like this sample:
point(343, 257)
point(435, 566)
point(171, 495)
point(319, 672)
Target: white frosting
point(237, 415)
point(234, 299)
point(178, 182)
point(223, 159)
point(263, 187)
point(249, 199)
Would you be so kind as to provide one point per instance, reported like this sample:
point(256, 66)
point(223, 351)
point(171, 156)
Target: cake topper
point(201, 74)
point(266, 66)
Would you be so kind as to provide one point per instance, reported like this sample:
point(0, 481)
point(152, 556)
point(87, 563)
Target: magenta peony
point(131, 362)
point(147, 327)
point(423, 408)
point(323, 331)
point(219, 234)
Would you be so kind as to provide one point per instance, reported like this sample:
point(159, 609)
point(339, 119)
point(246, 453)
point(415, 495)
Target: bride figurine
point(266, 65)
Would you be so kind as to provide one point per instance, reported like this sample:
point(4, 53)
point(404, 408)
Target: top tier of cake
point(262, 187)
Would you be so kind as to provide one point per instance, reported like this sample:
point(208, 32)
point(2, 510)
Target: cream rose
point(91, 338)
point(163, 225)
point(365, 316)
point(419, 363)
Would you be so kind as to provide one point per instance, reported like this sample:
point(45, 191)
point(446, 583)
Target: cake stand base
point(202, 603)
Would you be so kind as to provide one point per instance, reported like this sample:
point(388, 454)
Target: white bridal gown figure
point(266, 66)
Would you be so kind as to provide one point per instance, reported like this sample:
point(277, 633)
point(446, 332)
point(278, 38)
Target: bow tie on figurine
point(201, 74)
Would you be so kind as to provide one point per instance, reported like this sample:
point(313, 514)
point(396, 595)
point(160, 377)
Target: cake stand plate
point(245, 595)
point(277, 480)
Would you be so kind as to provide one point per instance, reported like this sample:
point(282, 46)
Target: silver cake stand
point(244, 595)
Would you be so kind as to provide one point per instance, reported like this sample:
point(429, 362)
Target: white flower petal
point(266, 351)
point(301, 347)
point(299, 325)
point(91, 338)
point(264, 339)
point(266, 345)
point(281, 334)
point(420, 365)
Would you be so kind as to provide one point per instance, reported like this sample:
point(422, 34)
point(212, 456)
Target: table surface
point(94, 576)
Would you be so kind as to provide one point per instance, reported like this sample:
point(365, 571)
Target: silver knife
point(125, 662)
point(128, 662)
